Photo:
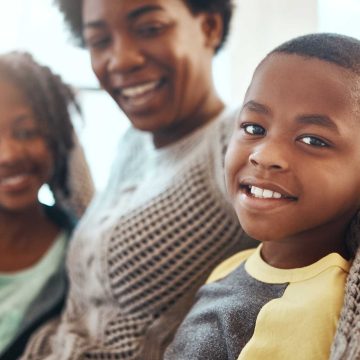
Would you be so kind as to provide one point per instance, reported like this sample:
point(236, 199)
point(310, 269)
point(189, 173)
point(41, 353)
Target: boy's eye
point(313, 141)
point(253, 129)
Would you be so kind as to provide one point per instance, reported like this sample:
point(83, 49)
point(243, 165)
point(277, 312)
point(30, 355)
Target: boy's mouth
point(263, 193)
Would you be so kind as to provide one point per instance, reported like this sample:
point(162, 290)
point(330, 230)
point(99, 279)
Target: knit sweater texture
point(154, 235)
point(346, 345)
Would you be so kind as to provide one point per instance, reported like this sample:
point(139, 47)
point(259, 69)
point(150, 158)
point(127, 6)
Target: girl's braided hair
point(50, 99)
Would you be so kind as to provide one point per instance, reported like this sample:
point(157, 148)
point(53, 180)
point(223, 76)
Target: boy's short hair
point(339, 49)
point(72, 11)
point(49, 99)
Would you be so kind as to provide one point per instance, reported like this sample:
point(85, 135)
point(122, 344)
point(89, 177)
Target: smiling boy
point(293, 176)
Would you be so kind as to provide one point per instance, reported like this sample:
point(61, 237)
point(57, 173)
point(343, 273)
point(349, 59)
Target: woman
point(163, 222)
point(36, 148)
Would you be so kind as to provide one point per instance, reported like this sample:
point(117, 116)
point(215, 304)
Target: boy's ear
point(212, 26)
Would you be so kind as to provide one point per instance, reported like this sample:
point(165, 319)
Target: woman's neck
point(205, 112)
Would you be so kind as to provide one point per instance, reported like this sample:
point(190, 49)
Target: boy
point(293, 176)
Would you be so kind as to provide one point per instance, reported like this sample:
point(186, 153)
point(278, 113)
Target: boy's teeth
point(139, 90)
point(264, 193)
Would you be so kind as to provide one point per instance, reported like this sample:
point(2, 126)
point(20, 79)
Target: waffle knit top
point(154, 235)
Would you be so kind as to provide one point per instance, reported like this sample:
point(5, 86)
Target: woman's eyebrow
point(95, 24)
point(143, 10)
point(131, 16)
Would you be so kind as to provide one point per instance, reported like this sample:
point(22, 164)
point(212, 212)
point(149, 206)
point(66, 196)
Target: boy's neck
point(293, 254)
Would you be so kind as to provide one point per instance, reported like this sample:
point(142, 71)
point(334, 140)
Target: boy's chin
point(262, 234)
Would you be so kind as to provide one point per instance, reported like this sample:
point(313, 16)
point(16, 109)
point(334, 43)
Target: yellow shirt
point(249, 310)
point(301, 323)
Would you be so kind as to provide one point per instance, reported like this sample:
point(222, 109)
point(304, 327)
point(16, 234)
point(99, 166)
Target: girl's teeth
point(264, 193)
point(13, 180)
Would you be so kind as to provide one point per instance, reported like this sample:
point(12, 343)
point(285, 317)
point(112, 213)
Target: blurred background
point(258, 26)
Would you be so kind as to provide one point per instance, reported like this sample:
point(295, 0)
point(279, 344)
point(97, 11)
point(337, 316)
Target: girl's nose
point(10, 150)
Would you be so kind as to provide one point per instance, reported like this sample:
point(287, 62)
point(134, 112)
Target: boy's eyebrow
point(257, 107)
point(308, 119)
point(131, 16)
point(317, 119)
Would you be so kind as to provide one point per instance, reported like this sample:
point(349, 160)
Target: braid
point(50, 100)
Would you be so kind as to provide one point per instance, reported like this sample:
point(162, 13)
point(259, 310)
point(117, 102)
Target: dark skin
point(154, 57)
point(293, 166)
point(26, 163)
point(25, 237)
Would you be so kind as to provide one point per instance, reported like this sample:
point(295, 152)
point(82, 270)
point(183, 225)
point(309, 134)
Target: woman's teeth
point(264, 193)
point(139, 90)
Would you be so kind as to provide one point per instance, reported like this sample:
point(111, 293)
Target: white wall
point(258, 26)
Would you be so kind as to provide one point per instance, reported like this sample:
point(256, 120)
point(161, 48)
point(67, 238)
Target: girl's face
point(26, 162)
point(292, 167)
point(154, 58)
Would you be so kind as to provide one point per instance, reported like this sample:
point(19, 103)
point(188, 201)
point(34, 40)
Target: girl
point(37, 147)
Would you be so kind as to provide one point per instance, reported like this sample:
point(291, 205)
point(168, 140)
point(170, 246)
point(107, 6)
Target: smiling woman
point(154, 59)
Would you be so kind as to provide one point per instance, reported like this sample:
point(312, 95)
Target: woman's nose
point(125, 55)
point(270, 156)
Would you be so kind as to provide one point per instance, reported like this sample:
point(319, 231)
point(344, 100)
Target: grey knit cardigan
point(346, 345)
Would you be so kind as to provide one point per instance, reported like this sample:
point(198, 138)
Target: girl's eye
point(253, 129)
point(26, 134)
point(313, 141)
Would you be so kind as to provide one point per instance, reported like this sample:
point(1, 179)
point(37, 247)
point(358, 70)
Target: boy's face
point(293, 164)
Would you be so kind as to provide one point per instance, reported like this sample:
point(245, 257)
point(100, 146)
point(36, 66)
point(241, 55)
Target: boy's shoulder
point(229, 265)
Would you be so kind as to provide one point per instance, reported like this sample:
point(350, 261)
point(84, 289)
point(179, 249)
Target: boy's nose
point(125, 56)
point(269, 157)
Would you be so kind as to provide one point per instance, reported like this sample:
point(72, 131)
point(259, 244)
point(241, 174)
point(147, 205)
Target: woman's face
point(26, 162)
point(153, 57)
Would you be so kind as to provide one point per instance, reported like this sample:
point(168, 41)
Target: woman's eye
point(98, 43)
point(313, 141)
point(151, 30)
point(253, 129)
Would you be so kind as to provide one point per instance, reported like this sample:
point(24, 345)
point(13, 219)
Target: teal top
point(19, 289)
